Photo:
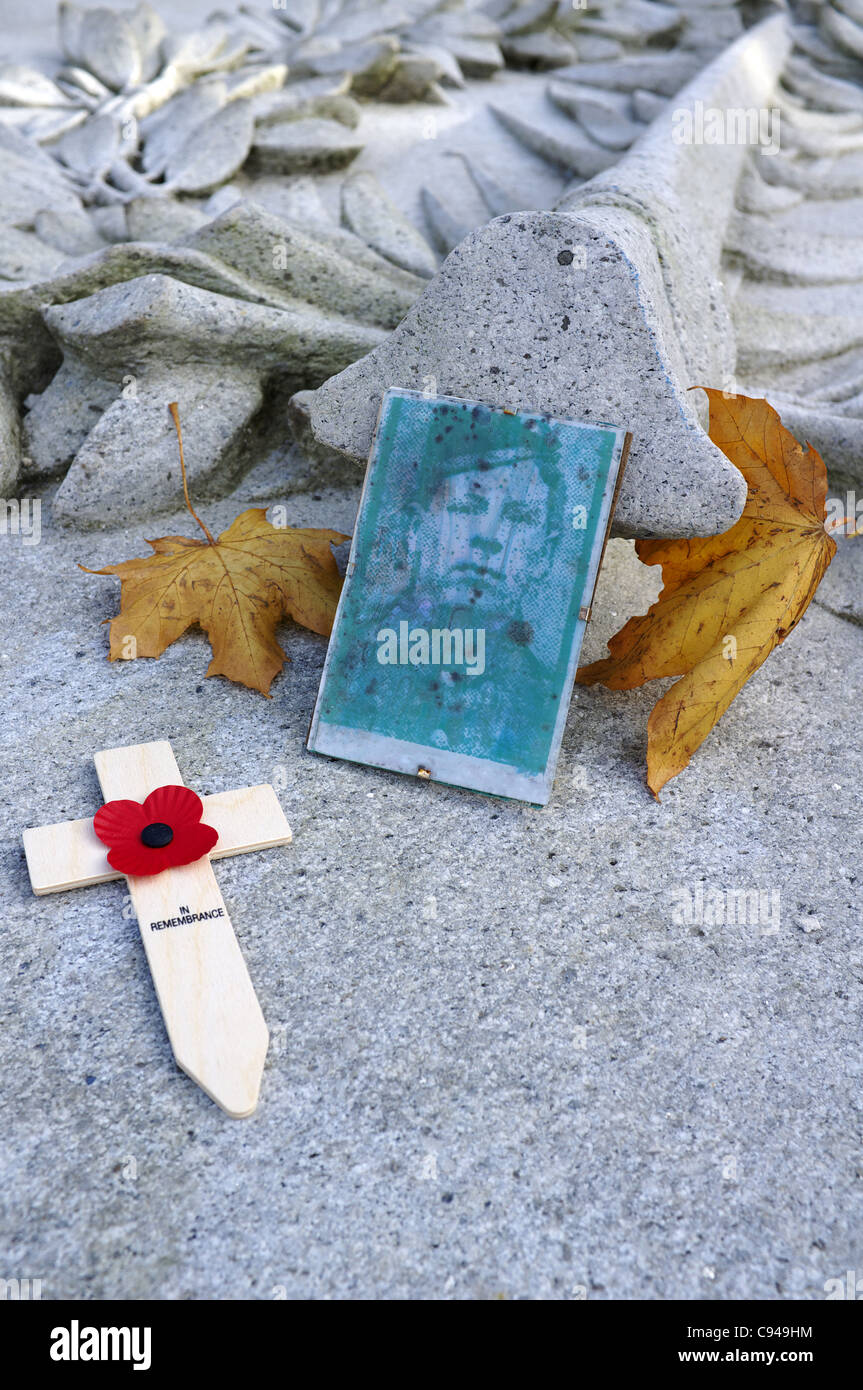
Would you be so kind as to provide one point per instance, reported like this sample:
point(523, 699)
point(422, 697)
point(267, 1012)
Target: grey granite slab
point(501, 1066)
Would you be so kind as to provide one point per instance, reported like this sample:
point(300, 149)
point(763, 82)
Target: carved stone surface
point(565, 313)
point(561, 314)
point(222, 159)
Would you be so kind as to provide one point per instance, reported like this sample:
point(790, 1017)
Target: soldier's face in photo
point(486, 533)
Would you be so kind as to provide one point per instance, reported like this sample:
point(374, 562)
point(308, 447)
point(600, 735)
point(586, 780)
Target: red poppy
point(163, 833)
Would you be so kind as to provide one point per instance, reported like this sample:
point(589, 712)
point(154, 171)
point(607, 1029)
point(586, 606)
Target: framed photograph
point(474, 560)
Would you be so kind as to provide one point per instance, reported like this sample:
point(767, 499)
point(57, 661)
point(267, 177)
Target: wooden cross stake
point(210, 1009)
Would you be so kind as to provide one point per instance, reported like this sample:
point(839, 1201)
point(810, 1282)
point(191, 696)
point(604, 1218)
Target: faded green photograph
point(473, 546)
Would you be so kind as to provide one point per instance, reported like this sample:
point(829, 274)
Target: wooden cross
point(214, 1021)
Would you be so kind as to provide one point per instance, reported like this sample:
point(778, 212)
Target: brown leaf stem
point(175, 415)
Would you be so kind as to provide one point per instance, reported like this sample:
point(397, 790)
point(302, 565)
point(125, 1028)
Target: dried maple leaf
point(237, 588)
point(728, 600)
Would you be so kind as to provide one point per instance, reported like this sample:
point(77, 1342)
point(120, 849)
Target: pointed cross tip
point(236, 1091)
point(232, 1079)
point(238, 1114)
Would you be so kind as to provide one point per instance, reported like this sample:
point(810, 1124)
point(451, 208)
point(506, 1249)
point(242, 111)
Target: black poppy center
point(157, 835)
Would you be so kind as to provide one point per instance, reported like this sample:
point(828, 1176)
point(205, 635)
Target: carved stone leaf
point(197, 51)
point(149, 30)
point(606, 116)
point(47, 125)
point(162, 219)
point(31, 180)
point(302, 17)
point(81, 86)
point(449, 71)
point(365, 23)
point(312, 143)
point(69, 21)
point(256, 79)
point(166, 130)
point(23, 86)
point(73, 234)
point(25, 257)
point(212, 152)
point(447, 228)
point(373, 216)
point(371, 64)
point(109, 48)
point(300, 99)
point(308, 263)
point(92, 147)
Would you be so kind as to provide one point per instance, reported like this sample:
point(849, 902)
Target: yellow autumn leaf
point(727, 600)
point(237, 588)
